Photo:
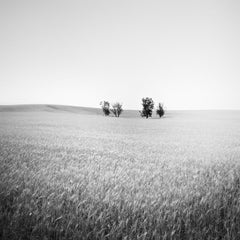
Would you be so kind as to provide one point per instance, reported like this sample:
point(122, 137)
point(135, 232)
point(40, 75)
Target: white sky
point(185, 54)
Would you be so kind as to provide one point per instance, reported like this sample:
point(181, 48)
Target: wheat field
point(67, 175)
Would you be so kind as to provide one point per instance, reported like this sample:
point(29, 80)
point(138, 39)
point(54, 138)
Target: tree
point(105, 107)
point(160, 111)
point(116, 109)
point(148, 106)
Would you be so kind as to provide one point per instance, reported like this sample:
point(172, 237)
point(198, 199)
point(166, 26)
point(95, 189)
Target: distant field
point(61, 108)
point(71, 173)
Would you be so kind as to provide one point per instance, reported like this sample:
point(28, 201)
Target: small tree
point(148, 106)
point(116, 109)
point(105, 107)
point(160, 111)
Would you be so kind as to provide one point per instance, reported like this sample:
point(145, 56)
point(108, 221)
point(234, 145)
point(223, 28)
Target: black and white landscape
point(119, 120)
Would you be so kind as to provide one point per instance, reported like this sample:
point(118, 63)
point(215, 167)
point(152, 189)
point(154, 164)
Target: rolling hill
point(61, 108)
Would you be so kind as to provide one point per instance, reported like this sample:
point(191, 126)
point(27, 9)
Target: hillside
point(61, 108)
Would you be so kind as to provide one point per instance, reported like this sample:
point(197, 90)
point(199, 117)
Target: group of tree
point(116, 108)
point(148, 106)
point(147, 110)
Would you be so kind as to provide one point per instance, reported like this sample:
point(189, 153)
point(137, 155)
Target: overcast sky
point(185, 54)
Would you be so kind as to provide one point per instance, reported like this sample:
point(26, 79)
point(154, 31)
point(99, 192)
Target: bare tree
point(116, 109)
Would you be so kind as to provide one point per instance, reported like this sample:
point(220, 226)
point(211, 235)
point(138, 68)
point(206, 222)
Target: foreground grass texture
point(80, 177)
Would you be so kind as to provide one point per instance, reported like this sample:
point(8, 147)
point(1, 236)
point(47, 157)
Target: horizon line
point(183, 109)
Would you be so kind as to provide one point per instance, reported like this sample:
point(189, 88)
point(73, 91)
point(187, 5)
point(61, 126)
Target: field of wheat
point(73, 176)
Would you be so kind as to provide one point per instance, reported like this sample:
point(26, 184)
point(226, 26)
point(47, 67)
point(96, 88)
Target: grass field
point(70, 173)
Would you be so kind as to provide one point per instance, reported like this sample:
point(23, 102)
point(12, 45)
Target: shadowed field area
point(70, 173)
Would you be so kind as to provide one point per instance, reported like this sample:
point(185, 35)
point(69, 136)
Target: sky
point(185, 54)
